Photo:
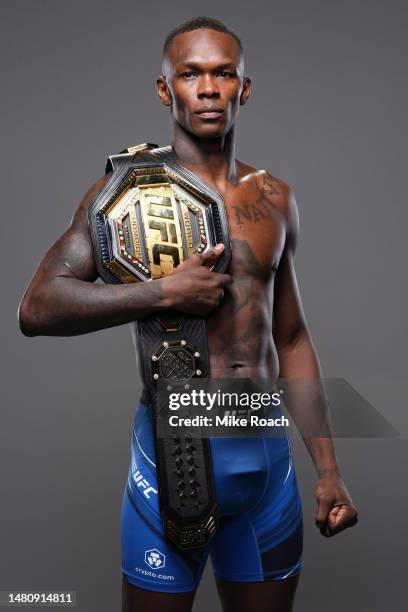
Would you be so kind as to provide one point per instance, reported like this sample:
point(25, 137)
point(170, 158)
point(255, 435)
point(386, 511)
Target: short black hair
point(196, 23)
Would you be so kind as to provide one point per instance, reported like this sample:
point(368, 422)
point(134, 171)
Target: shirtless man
point(256, 328)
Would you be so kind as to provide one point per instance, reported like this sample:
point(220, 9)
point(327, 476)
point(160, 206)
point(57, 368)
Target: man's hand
point(335, 510)
point(194, 288)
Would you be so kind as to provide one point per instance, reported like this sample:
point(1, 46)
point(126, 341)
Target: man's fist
point(335, 510)
point(193, 288)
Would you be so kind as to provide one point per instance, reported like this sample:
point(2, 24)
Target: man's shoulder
point(93, 191)
point(274, 189)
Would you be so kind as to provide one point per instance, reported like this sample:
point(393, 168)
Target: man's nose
point(208, 87)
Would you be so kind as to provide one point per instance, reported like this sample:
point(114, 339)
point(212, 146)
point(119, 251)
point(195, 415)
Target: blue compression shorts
point(260, 516)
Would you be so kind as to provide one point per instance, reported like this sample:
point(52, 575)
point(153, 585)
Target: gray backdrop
point(328, 115)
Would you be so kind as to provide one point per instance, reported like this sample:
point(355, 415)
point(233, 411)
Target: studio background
point(328, 115)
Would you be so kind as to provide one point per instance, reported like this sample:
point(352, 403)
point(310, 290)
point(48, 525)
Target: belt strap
point(183, 460)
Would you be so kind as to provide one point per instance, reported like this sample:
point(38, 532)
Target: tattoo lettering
point(249, 212)
point(263, 207)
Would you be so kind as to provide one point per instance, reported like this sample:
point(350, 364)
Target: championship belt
point(151, 215)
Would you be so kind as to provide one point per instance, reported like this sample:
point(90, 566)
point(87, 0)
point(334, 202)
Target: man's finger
point(208, 258)
point(341, 517)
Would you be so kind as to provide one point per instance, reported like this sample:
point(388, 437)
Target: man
point(256, 328)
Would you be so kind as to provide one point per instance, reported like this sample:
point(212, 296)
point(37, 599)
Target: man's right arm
point(62, 298)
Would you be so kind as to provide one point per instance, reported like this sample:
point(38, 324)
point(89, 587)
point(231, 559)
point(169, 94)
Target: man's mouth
point(209, 112)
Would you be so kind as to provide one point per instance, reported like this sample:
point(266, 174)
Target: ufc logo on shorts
point(142, 482)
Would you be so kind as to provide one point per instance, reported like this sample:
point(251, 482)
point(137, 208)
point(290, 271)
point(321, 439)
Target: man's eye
point(224, 74)
point(188, 74)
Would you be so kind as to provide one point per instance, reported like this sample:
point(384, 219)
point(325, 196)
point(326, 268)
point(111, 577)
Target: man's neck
point(212, 159)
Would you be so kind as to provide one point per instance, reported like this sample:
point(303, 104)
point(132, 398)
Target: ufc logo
point(142, 482)
point(164, 241)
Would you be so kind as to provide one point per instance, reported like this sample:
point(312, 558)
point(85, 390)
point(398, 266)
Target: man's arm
point(63, 300)
point(304, 392)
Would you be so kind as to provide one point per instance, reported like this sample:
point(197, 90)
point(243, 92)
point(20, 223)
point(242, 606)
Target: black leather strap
point(184, 465)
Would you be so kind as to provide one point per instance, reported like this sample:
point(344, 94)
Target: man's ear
point(163, 91)
point(246, 90)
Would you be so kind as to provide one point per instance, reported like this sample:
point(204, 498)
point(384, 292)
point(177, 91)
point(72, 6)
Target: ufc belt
point(151, 215)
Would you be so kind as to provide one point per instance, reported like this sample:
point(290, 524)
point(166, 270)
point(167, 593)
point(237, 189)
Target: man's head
point(203, 77)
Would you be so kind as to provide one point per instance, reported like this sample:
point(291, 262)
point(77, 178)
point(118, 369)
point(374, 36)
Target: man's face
point(203, 82)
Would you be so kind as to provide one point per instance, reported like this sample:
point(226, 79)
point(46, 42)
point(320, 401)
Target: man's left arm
point(302, 381)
